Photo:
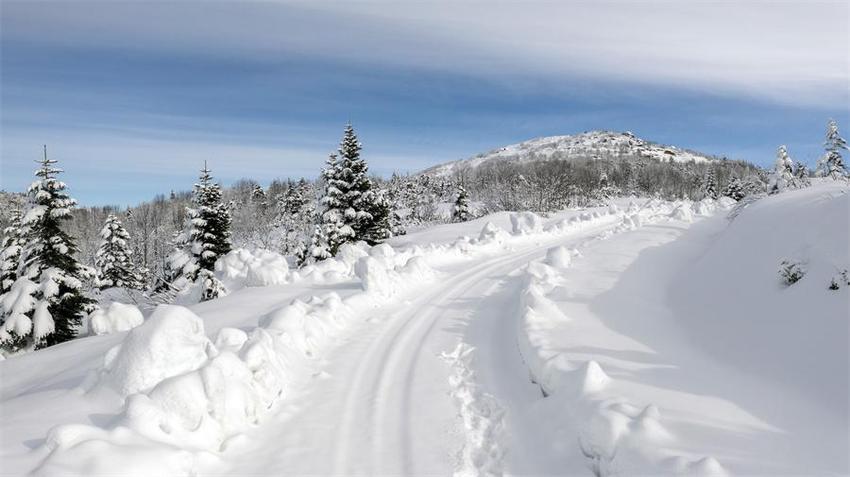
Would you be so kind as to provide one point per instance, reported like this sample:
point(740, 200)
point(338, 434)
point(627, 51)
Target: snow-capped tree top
point(834, 142)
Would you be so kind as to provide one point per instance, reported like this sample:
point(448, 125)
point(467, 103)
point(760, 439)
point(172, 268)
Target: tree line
point(55, 257)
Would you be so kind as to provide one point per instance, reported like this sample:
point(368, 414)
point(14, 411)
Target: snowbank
point(115, 317)
point(169, 343)
point(591, 421)
point(252, 268)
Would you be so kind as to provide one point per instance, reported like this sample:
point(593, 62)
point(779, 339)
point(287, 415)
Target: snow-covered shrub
point(842, 278)
point(115, 317)
point(791, 272)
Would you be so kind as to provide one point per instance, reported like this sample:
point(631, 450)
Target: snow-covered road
point(383, 401)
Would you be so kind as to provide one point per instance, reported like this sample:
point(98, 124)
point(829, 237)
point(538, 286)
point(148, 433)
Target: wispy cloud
point(789, 52)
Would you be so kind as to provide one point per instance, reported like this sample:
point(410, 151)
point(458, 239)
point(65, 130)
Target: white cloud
point(788, 52)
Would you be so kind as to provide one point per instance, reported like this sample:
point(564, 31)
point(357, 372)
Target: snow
point(169, 343)
point(115, 317)
point(633, 339)
point(591, 144)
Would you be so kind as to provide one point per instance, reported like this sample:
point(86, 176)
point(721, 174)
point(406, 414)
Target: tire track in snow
point(387, 371)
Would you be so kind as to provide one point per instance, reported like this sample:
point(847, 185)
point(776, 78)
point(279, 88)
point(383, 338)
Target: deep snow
point(645, 337)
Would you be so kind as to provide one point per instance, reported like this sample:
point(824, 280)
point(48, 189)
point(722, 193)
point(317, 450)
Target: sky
point(133, 97)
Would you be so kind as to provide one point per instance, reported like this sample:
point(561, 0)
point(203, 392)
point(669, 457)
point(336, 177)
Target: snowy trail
point(382, 403)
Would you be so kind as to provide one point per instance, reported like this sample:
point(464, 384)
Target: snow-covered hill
point(642, 338)
point(589, 145)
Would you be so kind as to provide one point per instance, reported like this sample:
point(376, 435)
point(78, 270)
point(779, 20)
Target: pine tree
point(114, 264)
point(801, 175)
point(735, 189)
point(782, 176)
point(10, 251)
point(381, 211)
point(348, 199)
point(205, 238)
point(295, 218)
point(710, 185)
point(45, 304)
point(832, 164)
point(460, 211)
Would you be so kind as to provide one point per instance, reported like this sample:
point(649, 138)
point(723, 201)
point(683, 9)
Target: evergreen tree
point(832, 164)
point(205, 238)
point(381, 212)
point(801, 175)
point(782, 176)
point(709, 185)
point(348, 200)
point(114, 264)
point(296, 210)
point(460, 211)
point(45, 304)
point(735, 189)
point(10, 251)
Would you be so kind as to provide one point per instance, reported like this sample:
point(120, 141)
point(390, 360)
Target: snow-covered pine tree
point(205, 238)
point(709, 188)
point(735, 189)
point(334, 227)
point(258, 195)
point(45, 304)
point(460, 211)
point(782, 176)
point(801, 174)
point(380, 225)
point(10, 251)
point(114, 263)
point(347, 198)
point(295, 219)
point(832, 162)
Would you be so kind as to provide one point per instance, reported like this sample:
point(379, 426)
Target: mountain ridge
point(597, 144)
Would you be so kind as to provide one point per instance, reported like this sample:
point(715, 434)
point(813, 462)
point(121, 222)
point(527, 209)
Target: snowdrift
point(583, 415)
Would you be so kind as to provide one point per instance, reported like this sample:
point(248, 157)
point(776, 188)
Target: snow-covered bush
point(791, 271)
point(115, 317)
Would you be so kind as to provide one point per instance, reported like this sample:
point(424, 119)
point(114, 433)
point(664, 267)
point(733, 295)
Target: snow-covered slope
point(642, 338)
point(589, 145)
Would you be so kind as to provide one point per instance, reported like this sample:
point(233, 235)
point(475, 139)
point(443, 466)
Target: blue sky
point(133, 97)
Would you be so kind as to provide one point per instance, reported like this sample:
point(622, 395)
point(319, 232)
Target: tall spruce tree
point(460, 211)
point(45, 304)
point(709, 185)
point(205, 238)
point(348, 199)
point(832, 162)
point(113, 261)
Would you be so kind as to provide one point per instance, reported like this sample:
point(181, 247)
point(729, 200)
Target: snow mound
point(115, 317)
point(558, 257)
point(526, 223)
point(683, 212)
point(492, 233)
point(586, 417)
point(169, 343)
point(252, 268)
